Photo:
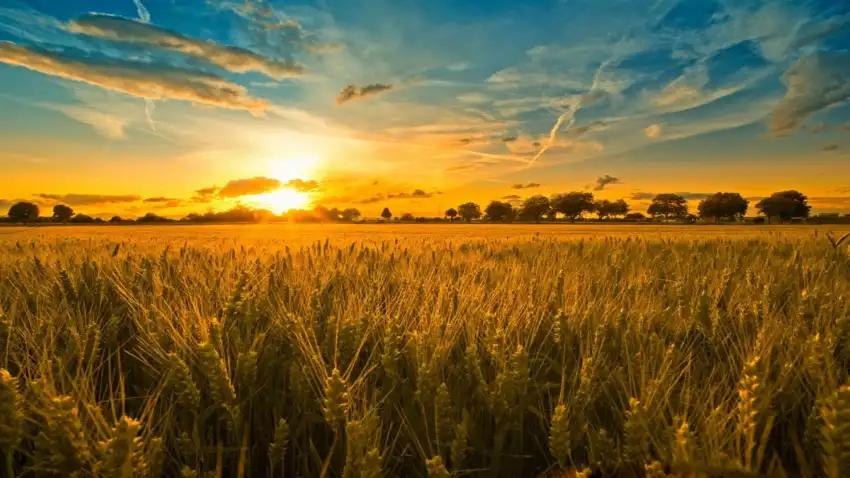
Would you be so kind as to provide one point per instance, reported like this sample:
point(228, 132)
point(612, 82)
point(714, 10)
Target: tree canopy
point(668, 206)
point(573, 204)
point(535, 207)
point(785, 205)
point(386, 213)
point(24, 212)
point(451, 213)
point(499, 211)
point(62, 213)
point(469, 211)
point(730, 206)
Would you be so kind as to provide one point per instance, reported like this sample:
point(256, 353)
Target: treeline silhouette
point(781, 206)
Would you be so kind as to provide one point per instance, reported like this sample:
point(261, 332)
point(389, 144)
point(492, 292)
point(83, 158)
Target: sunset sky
point(173, 106)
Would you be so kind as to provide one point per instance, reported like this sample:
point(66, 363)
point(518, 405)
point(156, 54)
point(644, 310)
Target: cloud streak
point(354, 92)
point(233, 59)
point(526, 186)
point(814, 82)
point(88, 199)
point(156, 82)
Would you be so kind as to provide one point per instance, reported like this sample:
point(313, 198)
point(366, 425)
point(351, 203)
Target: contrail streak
point(144, 14)
point(150, 106)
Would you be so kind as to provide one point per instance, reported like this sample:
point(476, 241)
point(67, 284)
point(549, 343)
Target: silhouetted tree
point(408, 217)
point(151, 217)
point(386, 214)
point(603, 208)
point(62, 213)
point(469, 211)
point(573, 204)
point(350, 214)
point(498, 211)
point(668, 206)
point(23, 212)
point(535, 207)
point(785, 205)
point(719, 206)
point(620, 208)
point(117, 219)
point(635, 216)
point(451, 213)
point(82, 219)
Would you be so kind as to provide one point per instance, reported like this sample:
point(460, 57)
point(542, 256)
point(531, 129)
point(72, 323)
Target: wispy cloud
point(249, 187)
point(690, 196)
point(653, 131)
point(353, 92)
point(157, 82)
point(107, 125)
point(603, 181)
point(88, 199)
point(415, 194)
point(234, 59)
point(526, 186)
point(301, 185)
point(159, 199)
point(830, 147)
point(814, 82)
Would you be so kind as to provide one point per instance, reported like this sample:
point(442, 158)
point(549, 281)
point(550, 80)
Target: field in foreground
point(423, 351)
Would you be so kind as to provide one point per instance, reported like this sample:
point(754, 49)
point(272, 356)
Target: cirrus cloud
point(814, 82)
point(88, 199)
point(233, 59)
point(353, 92)
point(143, 80)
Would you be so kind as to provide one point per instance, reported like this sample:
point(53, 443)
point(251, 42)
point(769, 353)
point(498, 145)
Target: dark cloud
point(415, 194)
point(526, 186)
point(249, 187)
point(210, 191)
point(353, 92)
point(233, 59)
point(690, 196)
point(302, 186)
point(509, 139)
point(169, 204)
point(814, 82)
point(511, 197)
point(87, 199)
point(603, 181)
point(159, 199)
point(143, 80)
point(830, 147)
point(587, 128)
point(372, 200)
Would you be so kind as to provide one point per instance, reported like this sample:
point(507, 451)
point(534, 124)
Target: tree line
point(723, 206)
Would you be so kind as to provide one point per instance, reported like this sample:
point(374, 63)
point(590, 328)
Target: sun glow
point(283, 200)
point(285, 170)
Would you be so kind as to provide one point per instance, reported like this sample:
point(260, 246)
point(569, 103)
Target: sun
point(283, 200)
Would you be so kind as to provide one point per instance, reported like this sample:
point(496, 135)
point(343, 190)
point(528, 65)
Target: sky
point(176, 106)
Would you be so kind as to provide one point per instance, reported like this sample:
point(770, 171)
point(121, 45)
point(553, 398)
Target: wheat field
point(424, 351)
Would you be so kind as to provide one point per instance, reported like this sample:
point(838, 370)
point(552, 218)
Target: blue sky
point(420, 105)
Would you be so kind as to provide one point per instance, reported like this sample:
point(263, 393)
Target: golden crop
point(366, 351)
